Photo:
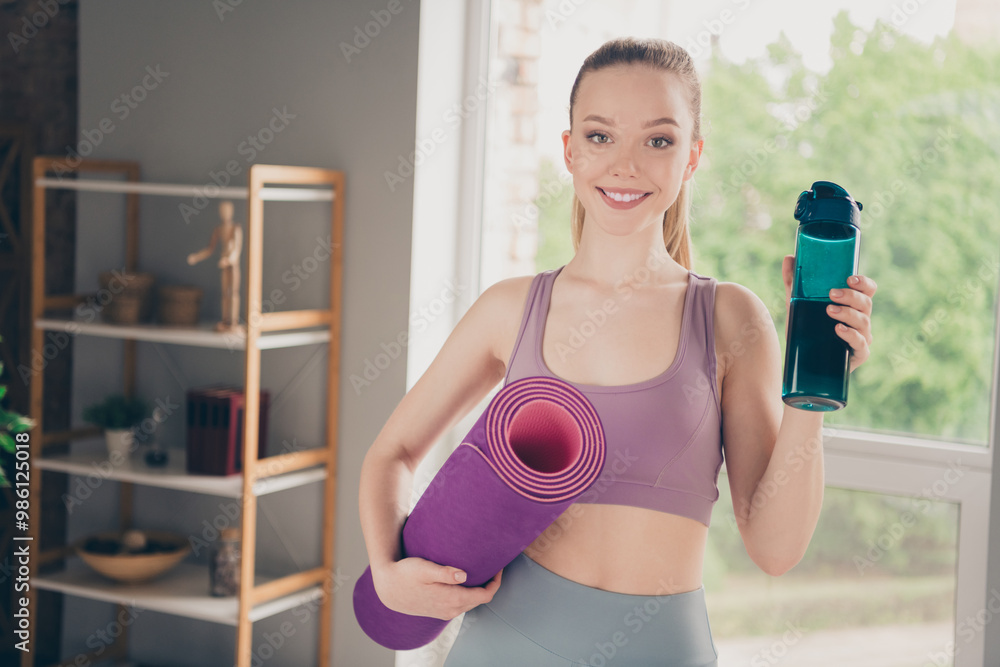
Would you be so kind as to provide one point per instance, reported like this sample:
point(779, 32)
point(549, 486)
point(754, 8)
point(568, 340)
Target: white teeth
point(618, 196)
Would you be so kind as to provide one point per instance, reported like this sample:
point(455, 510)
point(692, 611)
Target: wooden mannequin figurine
point(231, 236)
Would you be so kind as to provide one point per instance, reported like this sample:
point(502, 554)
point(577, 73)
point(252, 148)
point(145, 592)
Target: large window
point(897, 102)
point(877, 583)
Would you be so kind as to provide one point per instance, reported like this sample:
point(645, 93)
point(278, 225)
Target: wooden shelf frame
point(183, 190)
point(280, 474)
point(180, 592)
point(202, 335)
point(262, 331)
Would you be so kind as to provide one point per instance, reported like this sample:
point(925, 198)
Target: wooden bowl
point(134, 567)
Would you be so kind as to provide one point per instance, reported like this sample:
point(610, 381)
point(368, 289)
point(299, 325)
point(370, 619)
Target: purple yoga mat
point(535, 449)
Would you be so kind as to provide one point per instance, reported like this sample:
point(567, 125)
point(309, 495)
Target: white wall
point(226, 75)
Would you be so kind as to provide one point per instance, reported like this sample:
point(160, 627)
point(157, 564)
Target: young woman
point(682, 370)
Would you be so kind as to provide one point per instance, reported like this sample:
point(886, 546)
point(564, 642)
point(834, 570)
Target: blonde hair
point(661, 55)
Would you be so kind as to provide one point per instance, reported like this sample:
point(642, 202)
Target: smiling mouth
point(624, 197)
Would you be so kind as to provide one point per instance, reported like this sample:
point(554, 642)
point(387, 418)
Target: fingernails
point(854, 280)
point(460, 577)
point(836, 294)
point(833, 309)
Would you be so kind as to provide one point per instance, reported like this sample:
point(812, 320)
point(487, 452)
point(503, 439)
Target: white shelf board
point(202, 335)
point(182, 592)
point(207, 190)
point(174, 475)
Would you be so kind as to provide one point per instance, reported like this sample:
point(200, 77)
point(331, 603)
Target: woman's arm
point(464, 371)
point(774, 453)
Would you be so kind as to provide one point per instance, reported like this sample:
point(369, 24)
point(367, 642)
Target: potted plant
point(11, 424)
point(118, 416)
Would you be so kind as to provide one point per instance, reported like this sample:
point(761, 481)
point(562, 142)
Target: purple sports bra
point(664, 436)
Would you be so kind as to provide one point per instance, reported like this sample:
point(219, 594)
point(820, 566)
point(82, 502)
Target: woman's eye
point(598, 137)
point(660, 142)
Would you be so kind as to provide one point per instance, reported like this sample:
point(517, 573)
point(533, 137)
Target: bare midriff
point(623, 549)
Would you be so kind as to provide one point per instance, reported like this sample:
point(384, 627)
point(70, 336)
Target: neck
point(639, 259)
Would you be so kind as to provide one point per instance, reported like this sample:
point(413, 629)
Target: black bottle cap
point(827, 201)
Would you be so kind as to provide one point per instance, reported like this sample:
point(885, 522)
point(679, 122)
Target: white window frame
point(855, 460)
point(910, 467)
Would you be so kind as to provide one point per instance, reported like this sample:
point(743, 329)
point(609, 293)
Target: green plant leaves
point(117, 411)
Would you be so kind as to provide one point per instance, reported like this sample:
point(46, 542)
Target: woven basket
point(130, 296)
point(179, 305)
point(123, 309)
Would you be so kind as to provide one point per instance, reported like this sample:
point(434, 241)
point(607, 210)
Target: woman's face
point(630, 147)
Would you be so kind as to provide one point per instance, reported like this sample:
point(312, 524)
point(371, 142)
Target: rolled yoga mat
point(535, 449)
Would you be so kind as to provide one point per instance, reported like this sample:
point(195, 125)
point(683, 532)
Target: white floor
point(885, 646)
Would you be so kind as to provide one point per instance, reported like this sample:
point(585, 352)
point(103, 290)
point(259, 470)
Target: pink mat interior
point(544, 436)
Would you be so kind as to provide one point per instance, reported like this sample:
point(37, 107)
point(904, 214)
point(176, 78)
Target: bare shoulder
point(509, 292)
point(504, 299)
point(735, 305)
point(501, 306)
point(741, 321)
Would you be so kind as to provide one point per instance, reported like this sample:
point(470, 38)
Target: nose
point(624, 164)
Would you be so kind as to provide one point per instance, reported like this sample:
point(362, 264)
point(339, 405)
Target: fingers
point(863, 284)
point(857, 320)
point(856, 297)
point(453, 576)
point(854, 305)
point(444, 574)
point(852, 309)
point(423, 588)
point(482, 594)
point(460, 599)
point(859, 346)
point(788, 273)
point(493, 584)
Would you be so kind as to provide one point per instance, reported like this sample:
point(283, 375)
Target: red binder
point(215, 429)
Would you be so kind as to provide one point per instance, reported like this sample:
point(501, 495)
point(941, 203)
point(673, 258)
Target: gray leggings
point(539, 619)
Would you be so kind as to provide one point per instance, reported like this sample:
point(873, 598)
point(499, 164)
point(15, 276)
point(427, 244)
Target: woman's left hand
point(852, 308)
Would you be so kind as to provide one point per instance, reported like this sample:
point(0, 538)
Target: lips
point(622, 198)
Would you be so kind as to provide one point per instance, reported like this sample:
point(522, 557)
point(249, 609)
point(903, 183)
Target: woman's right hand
point(422, 588)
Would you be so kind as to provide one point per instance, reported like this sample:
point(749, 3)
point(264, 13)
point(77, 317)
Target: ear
point(694, 158)
point(567, 151)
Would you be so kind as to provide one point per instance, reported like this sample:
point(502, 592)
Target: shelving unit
point(174, 475)
point(200, 336)
point(183, 591)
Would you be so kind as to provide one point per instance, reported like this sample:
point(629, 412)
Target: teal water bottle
point(817, 360)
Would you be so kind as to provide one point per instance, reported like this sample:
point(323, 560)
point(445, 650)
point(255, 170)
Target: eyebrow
point(652, 123)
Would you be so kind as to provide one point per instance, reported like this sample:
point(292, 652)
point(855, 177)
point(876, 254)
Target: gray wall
point(225, 77)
